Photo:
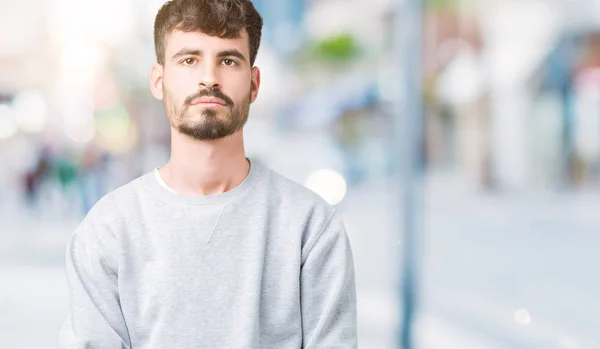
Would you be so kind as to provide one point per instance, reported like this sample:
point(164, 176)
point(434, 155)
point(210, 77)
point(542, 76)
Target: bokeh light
point(8, 126)
point(329, 184)
point(31, 111)
point(522, 317)
point(80, 132)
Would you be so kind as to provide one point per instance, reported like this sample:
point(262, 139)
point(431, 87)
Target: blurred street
point(479, 268)
point(496, 103)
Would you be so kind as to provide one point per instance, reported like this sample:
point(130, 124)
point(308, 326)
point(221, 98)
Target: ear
point(156, 81)
point(255, 83)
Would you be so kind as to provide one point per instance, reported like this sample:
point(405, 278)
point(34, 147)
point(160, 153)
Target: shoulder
point(117, 202)
point(289, 192)
point(300, 207)
point(110, 214)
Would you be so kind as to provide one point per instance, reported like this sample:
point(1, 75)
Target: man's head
point(205, 74)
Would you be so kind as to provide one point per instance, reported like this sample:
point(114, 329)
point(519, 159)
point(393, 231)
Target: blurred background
point(503, 207)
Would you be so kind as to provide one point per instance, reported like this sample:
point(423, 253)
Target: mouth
point(209, 102)
point(208, 105)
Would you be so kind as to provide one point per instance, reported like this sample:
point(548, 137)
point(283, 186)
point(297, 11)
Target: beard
point(213, 124)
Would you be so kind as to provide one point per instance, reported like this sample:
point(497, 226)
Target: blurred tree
point(442, 4)
point(329, 55)
point(341, 47)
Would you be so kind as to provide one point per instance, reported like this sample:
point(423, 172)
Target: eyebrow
point(195, 52)
point(187, 51)
point(232, 53)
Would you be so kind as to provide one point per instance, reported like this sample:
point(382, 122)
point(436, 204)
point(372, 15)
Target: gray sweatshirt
point(265, 265)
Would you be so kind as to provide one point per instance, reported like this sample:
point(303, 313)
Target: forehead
point(176, 40)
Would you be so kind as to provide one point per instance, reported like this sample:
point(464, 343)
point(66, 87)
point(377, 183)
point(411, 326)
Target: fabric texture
point(265, 265)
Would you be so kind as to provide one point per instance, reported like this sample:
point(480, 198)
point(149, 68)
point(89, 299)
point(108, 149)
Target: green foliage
point(339, 48)
point(441, 4)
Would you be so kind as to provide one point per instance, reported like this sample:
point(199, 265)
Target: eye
point(229, 62)
point(189, 61)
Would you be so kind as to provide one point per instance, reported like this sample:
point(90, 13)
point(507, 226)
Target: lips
point(209, 100)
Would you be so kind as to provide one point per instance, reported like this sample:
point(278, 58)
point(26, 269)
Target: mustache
point(209, 93)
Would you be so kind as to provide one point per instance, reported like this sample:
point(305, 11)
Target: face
point(206, 83)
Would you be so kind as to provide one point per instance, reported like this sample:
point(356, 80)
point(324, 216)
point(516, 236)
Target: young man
point(210, 250)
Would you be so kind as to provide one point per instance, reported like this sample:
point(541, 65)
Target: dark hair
point(222, 18)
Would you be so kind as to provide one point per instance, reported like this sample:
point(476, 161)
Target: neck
point(205, 167)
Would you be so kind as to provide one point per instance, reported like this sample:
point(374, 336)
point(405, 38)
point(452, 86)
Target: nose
point(209, 79)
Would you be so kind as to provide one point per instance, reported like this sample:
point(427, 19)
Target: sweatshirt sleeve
point(95, 319)
point(328, 291)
